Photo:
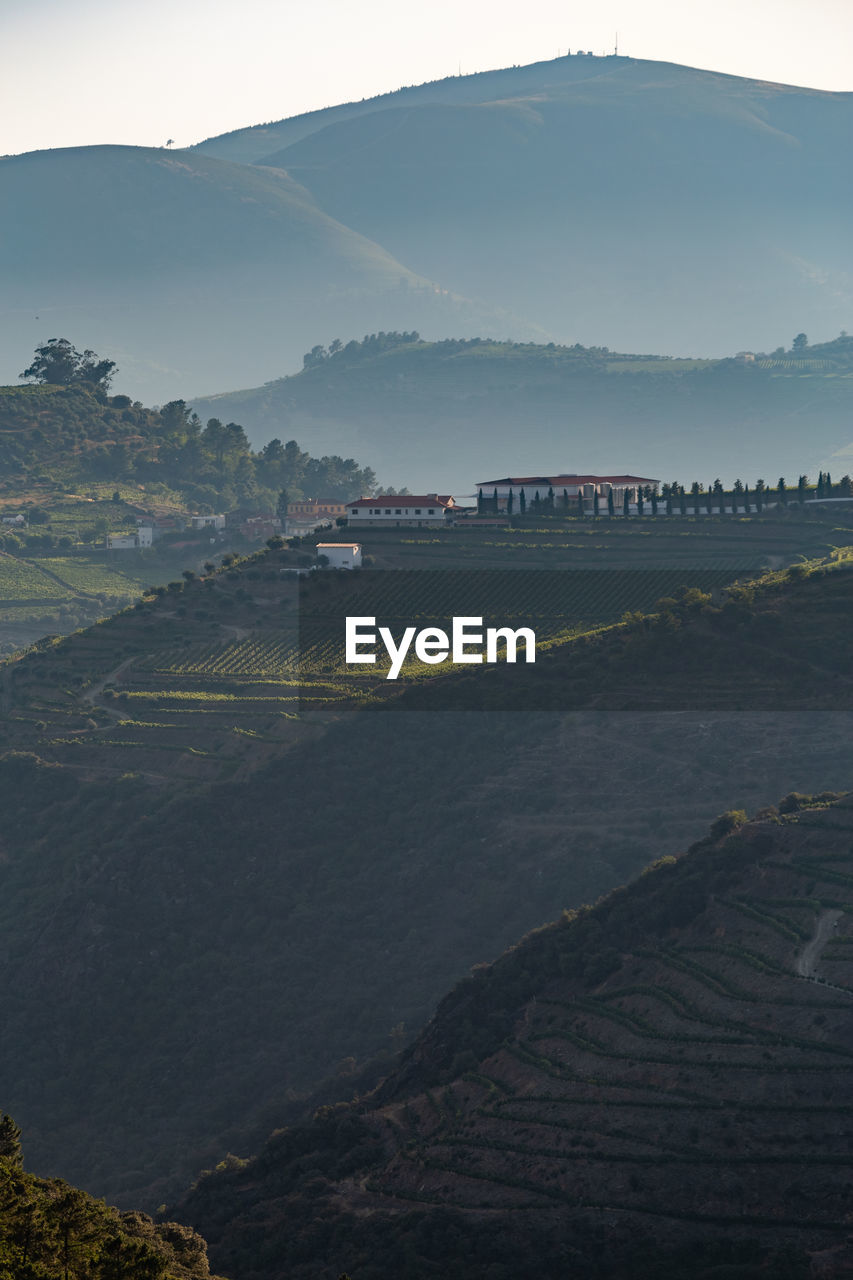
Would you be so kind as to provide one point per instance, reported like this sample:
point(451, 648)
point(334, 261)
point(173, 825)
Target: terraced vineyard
point(555, 603)
point(21, 581)
point(704, 1050)
point(674, 1065)
point(93, 576)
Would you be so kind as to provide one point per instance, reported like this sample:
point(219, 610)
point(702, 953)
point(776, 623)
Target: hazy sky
point(74, 72)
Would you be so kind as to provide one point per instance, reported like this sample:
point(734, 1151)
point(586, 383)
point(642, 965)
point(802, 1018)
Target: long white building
point(571, 484)
point(401, 511)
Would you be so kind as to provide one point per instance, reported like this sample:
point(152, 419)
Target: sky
point(144, 72)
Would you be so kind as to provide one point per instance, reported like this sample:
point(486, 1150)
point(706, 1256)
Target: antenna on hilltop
point(616, 46)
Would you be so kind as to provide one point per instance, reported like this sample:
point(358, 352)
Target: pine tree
point(10, 1140)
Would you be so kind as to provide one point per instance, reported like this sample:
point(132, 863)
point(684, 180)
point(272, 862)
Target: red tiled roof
point(405, 500)
point(562, 481)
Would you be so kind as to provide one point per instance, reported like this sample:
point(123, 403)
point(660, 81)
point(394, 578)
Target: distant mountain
point(642, 204)
point(450, 414)
point(601, 200)
point(190, 271)
point(658, 1086)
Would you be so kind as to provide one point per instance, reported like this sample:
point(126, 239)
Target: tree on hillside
point(800, 343)
point(57, 363)
point(10, 1140)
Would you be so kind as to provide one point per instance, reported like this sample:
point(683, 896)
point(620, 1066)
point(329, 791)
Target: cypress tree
point(710, 499)
point(682, 499)
point(820, 492)
point(694, 491)
point(746, 500)
point(595, 507)
point(550, 500)
point(610, 510)
point(510, 502)
point(580, 503)
point(654, 502)
point(495, 500)
point(10, 1140)
point(639, 500)
point(565, 500)
point(480, 503)
point(625, 503)
point(782, 491)
point(801, 488)
point(522, 502)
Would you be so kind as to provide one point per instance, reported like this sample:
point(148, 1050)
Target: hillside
point(192, 831)
point(189, 270)
point(639, 204)
point(451, 413)
point(656, 1086)
point(77, 465)
point(609, 200)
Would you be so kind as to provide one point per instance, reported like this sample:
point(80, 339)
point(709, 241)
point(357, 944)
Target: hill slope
point(221, 855)
point(188, 270)
point(659, 1086)
point(641, 204)
point(452, 413)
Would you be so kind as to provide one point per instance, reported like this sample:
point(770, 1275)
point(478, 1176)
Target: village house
point(399, 511)
point(208, 522)
point(571, 484)
point(304, 516)
point(144, 537)
point(340, 555)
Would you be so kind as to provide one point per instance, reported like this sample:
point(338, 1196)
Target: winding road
point(807, 961)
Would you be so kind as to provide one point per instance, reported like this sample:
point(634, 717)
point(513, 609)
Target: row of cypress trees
point(674, 497)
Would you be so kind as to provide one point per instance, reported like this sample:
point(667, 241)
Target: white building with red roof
point(399, 511)
point(569, 484)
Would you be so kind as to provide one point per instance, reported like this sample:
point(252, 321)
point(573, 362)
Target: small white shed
point(341, 555)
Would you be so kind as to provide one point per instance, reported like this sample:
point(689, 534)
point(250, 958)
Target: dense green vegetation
point(49, 1229)
point(69, 434)
point(78, 465)
point(655, 1086)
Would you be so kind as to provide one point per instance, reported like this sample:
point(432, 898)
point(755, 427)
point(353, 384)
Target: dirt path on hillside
point(95, 690)
point(808, 958)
